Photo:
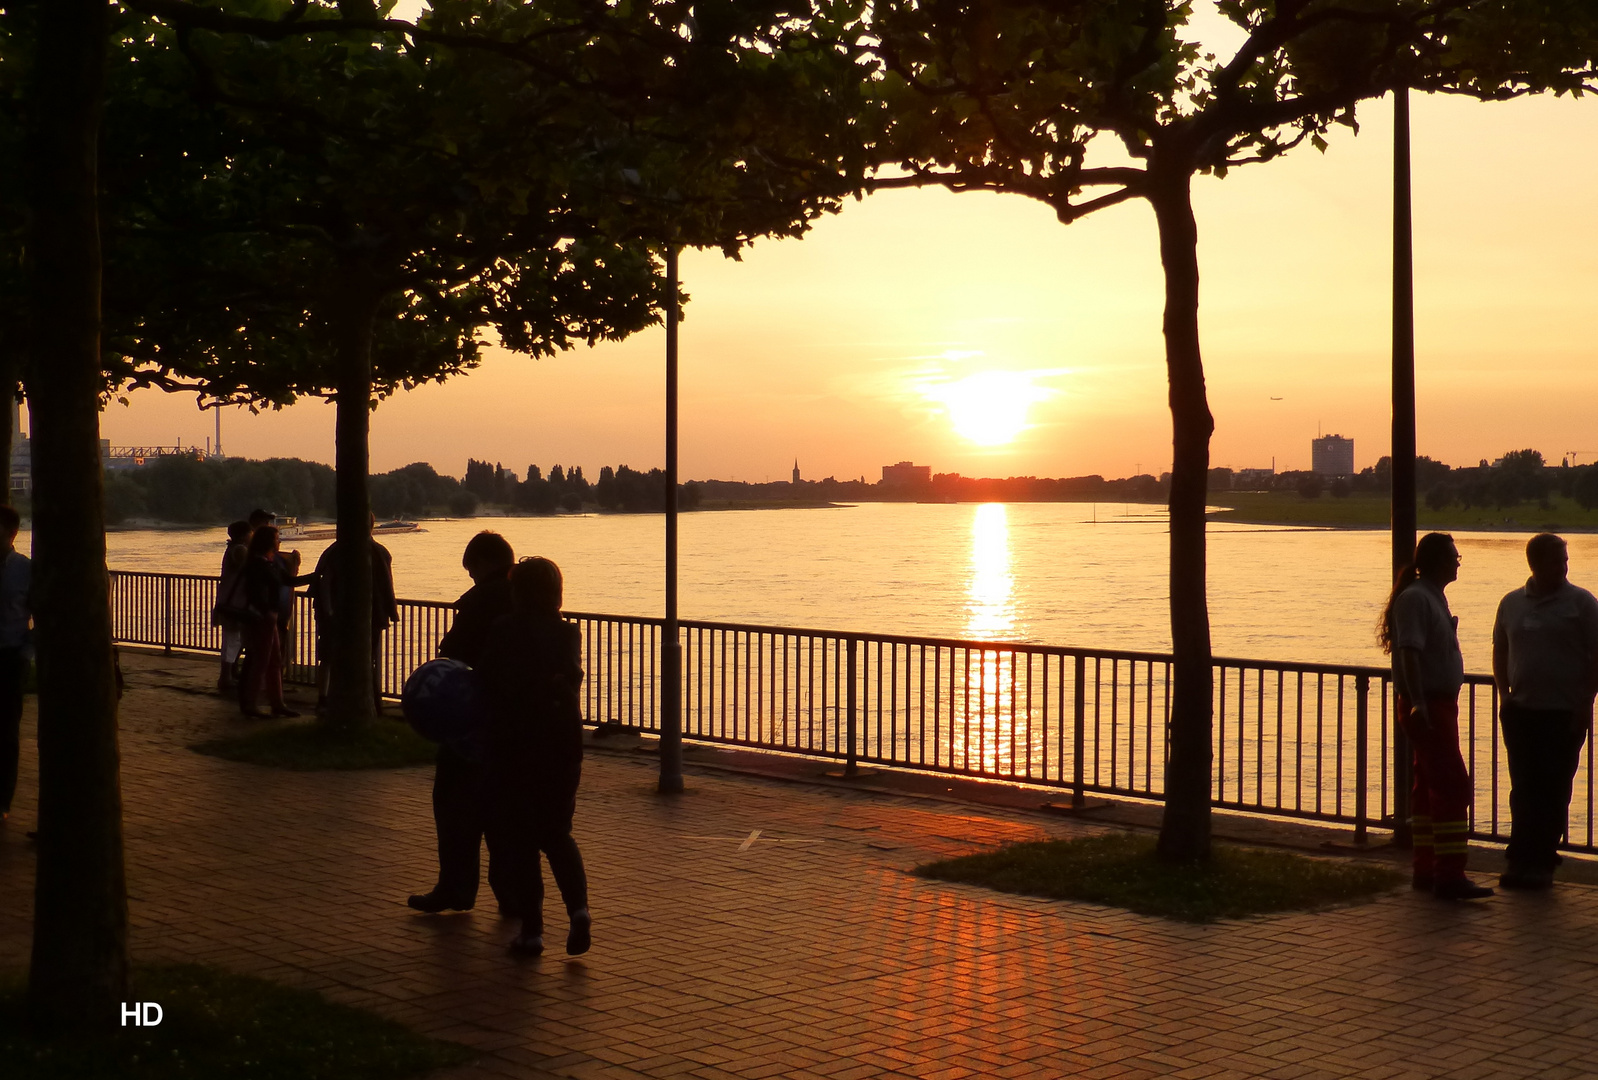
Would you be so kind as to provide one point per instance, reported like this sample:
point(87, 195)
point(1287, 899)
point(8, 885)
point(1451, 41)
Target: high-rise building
point(906, 473)
point(1332, 455)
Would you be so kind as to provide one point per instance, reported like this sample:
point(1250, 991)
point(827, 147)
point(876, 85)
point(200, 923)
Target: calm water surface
point(1058, 573)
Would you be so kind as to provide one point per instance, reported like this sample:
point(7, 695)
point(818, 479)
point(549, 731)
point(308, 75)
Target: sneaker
point(578, 940)
point(526, 944)
point(1461, 889)
point(435, 902)
point(1525, 879)
point(1423, 883)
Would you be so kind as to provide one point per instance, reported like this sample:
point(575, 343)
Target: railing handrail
point(1291, 739)
point(1137, 655)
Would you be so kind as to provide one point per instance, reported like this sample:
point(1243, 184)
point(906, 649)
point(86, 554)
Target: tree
point(1084, 106)
point(78, 970)
point(369, 219)
point(512, 166)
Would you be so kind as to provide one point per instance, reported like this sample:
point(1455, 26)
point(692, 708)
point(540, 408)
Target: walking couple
point(1545, 666)
point(522, 795)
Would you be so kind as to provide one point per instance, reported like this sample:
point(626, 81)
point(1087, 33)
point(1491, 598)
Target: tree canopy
point(1086, 105)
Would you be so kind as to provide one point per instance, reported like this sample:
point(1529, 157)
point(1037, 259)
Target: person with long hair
point(1422, 635)
point(459, 812)
point(532, 671)
point(265, 585)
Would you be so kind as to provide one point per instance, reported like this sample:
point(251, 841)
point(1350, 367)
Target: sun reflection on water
point(990, 590)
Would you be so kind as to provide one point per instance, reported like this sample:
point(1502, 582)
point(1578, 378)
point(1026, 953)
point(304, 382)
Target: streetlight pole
point(670, 646)
point(1403, 471)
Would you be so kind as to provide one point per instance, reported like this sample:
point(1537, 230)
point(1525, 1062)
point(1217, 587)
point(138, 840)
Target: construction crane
point(1571, 455)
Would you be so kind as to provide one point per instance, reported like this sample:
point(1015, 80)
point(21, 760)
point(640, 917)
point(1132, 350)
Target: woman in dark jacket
point(265, 585)
point(532, 670)
point(459, 810)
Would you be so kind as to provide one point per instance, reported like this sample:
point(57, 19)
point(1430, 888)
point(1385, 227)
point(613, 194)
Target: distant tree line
point(943, 487)
point(621, 489)
point(1519, 476)
point(193, 491)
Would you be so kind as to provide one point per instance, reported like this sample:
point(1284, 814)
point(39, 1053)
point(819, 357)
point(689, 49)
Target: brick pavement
point(810, 952)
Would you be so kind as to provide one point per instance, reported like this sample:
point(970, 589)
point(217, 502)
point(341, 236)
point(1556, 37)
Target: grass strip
point(1121, 870)
point(310, 746)
point(222, 1026)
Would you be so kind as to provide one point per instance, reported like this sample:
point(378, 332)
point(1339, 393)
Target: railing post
point(166, 614)
point(1362, 686)
point(1080, 706)
point(852, 704)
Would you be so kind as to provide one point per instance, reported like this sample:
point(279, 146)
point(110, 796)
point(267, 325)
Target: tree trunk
point(79, 965)
point(1185, 826)
point(349, 691)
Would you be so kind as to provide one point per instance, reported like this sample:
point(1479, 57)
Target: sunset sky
point(850, 349)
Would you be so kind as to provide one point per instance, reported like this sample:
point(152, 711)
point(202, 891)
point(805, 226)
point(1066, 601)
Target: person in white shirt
point(1545, 662)
point(1423, 637)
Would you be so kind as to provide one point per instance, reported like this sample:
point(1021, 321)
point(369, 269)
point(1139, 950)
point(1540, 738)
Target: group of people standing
point(1545, 667)
point(255, 609)
point(520, 794)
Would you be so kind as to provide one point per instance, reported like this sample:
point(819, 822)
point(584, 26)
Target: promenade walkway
point(753, 928)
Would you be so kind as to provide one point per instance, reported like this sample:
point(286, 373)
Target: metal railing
point(1307, 741)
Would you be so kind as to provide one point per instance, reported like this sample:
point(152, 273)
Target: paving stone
point(798, 961)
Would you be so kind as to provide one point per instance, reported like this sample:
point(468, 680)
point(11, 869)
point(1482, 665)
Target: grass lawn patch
point(221, 1026)
point(1120, 870)
point(381, 744)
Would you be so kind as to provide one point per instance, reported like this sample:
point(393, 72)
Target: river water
point(1055, 573)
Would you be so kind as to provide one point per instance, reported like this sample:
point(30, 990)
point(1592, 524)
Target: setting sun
point(989, 408)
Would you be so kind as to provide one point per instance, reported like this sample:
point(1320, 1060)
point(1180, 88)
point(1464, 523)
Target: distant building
point(905, 473)
point(1332, 455)
point(21, 479)
point(795, 472)
point(1253, 479)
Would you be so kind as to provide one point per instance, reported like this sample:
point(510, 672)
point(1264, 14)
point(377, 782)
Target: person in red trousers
point(1423, 637)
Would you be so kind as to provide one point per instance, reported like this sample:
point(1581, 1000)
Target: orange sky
point(839, 349)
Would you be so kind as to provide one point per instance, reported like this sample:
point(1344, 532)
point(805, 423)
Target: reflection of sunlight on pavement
point(991, 587)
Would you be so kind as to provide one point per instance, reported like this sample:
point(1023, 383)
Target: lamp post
point(670, 646)
point(1403, 472)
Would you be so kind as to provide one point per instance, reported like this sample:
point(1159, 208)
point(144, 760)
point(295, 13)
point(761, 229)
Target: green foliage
point(634, 492)
point(1084, 105)
point(414, 490)
point(315, 746)
point(223, 1026)
point(1121, 870)
point(1585, 489)
point(504, 167)
point(190, 491)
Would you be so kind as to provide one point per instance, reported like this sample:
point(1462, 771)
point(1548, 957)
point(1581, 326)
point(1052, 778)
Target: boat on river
point(291, 529)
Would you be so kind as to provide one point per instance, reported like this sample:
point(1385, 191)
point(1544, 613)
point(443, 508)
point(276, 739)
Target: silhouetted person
point(1428, 670)
point(16, 579)
point(1545, 662)
point(230, 602)
point(532, 671)
point(265, 584)
point(385, 610)
point(460, 807)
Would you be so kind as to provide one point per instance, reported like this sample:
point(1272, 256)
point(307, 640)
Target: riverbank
point(1363, 511)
